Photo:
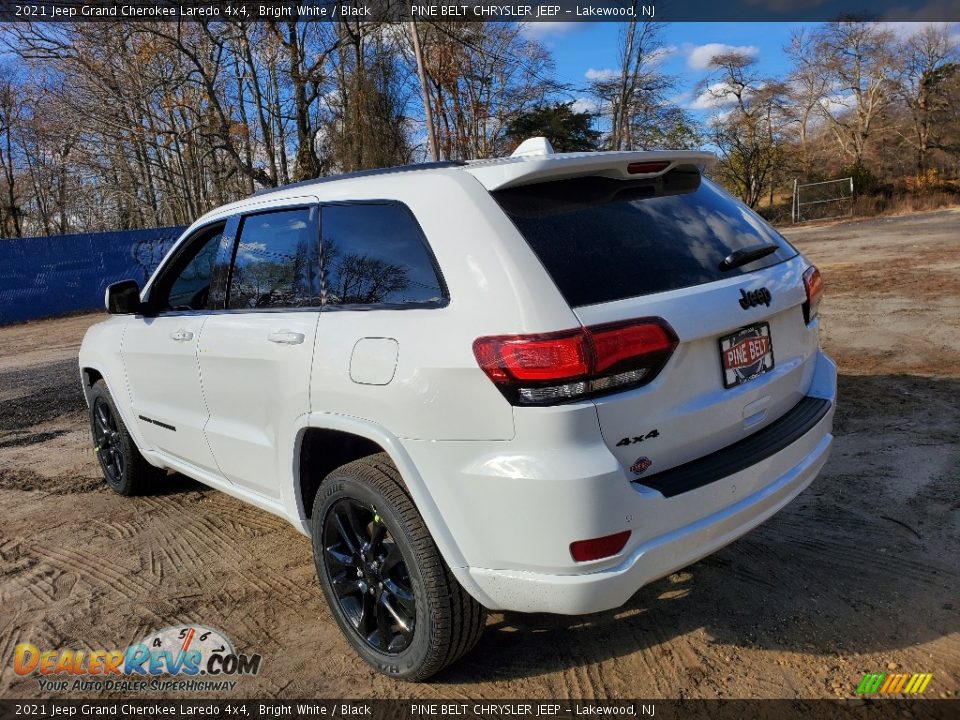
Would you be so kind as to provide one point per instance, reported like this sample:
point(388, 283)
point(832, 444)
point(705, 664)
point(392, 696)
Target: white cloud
point(586, 105)
point(838, 103)
point(661, 54)
point(700, 56)
point(543, 30)
point(681, 98)
point(715, 96)
point(601, 75)
point(906, 30)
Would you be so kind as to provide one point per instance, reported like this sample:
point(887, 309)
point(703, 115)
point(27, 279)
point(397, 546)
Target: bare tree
point(482, 76)
point(635, 94)
point(857, 58)
point(929, 62)
point(747, 124)
point(431, 129)
point(808, 88)
point(9, 121)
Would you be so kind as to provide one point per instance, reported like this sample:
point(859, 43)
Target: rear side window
point(376, 254)
point(277, 262)
point(603, 240)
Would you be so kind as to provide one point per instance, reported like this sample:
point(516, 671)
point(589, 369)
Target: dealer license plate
point(746, 354)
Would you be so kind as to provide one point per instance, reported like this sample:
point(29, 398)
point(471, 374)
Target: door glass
point(277, 261)
point(190, 289)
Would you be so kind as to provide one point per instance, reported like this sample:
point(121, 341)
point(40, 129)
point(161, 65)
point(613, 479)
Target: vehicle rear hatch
point(670, 244)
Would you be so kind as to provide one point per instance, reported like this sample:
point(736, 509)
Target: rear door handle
point(285, 337)
point(181, 335)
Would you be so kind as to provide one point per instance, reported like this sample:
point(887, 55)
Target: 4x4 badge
point(754, 298)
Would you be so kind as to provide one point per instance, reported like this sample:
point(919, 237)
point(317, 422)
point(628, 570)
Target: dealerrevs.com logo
point(177, 658)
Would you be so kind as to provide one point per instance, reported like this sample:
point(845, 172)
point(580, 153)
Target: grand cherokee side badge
point(754, 298)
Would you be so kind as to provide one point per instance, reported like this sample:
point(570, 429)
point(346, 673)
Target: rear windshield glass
point(603, 239)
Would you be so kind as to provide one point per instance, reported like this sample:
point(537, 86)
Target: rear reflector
point(640, 168)
point(813, 284)
point(574, 364)
point(584, 550)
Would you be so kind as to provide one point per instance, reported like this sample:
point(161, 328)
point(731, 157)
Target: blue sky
point(581, 47)
point(587, 48)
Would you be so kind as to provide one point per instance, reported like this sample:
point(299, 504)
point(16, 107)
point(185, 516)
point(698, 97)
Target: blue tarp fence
point(46, 276)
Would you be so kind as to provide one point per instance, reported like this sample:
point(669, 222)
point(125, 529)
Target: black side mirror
point(123, 298)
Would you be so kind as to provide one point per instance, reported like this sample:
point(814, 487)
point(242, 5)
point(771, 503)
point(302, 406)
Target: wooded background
point(141, 124)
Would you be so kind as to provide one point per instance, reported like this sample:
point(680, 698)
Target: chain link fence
point(822, 200)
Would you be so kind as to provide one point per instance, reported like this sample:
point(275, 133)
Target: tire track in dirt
point(654, 653)
point(97, 574)
point(120, 531)
point(187, 539)
point(28, 576)
point(250, 517)
point(872, 562)
point(201, 532)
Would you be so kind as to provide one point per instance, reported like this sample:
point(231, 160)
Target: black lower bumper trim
point(742, 454)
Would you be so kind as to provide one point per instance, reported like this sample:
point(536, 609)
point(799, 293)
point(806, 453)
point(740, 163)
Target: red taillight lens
point(639, 168)
point(584, 550)
point(574, 364)
point(534, 357)
point(615, 345)
point(813, 284)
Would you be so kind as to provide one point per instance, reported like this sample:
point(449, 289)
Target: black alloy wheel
point(108, 443)
point(388, 588)
point(124, 468)
point(369, 576)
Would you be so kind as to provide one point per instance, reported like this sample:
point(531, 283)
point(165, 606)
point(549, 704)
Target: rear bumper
point(764, 488)
point(656, 558)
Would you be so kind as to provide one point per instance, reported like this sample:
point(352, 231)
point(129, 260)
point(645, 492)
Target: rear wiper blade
point(746, 255)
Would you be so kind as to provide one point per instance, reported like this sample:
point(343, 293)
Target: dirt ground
point(860, 574)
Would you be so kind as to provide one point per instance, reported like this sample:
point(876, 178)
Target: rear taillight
point(813, 284)
point(576, 364)
point(586, 550)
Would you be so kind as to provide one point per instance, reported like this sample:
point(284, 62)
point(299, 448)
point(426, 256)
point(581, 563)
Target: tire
point(124, 468)
point(392, 577)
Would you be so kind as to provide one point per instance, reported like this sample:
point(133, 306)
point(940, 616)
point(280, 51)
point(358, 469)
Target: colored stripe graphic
point(906, 683)
point(923, 681)
point(871, 683)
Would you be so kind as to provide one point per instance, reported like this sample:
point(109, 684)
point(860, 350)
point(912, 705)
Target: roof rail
point(362, 173)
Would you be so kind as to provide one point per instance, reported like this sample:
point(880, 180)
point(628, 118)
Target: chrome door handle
point(181, 335)
point(285, 337)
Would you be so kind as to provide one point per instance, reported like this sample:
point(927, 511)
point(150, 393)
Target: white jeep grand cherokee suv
point(533, 383)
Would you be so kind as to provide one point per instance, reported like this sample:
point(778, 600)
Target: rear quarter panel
point(496, 285)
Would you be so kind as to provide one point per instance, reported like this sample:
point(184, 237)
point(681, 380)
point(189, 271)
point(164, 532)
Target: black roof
point(363, 173)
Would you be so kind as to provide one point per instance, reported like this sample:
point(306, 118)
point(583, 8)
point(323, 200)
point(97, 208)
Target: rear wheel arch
point(369, 439)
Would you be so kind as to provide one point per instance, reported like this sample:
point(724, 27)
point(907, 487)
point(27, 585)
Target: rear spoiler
point(525, 170)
